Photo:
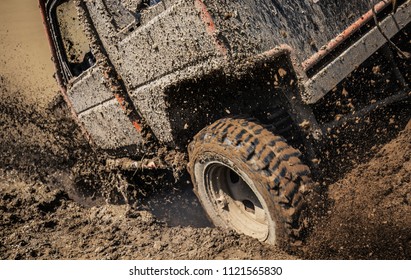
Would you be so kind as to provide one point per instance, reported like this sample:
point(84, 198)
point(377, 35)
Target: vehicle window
point(75, 42)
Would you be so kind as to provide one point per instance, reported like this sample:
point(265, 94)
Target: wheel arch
point(251, 87)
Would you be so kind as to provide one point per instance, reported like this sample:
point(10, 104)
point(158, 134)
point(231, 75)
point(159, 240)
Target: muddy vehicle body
point(235, 90)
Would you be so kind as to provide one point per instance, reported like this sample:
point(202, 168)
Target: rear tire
point(250, 180)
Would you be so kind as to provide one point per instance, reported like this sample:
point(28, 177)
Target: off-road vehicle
point(242, 92)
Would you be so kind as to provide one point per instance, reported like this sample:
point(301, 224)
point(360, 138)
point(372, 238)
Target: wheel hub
point(235, 201)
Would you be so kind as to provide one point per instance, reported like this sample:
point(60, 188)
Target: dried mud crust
point(370, 217)
point(272, 165)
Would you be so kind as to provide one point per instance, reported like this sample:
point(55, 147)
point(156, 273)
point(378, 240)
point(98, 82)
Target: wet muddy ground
point(44, 214)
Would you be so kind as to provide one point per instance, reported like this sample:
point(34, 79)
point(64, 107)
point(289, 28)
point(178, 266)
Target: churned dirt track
point(41, 223)
point(370, 216)
point(42, 217)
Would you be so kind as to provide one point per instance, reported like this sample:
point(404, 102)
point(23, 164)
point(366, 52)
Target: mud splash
point(41, 149)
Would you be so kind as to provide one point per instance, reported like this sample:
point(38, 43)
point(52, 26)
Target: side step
point(328, 77)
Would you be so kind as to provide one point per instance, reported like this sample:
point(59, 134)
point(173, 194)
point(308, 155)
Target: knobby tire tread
point(277, 163)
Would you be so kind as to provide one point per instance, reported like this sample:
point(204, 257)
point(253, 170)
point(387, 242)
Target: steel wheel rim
point(235, 201)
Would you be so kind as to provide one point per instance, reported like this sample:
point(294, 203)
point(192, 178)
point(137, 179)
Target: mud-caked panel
point(171, 41)
point(88, 90)
point(109, 127)
point(151, 101)
point(174, 39)
point(251, 27)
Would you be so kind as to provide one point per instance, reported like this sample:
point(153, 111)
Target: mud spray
point(42, 155)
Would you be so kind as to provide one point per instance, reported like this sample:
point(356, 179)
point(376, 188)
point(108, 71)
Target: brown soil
point(43, 157)
point(371, 213)
point(41, 223)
